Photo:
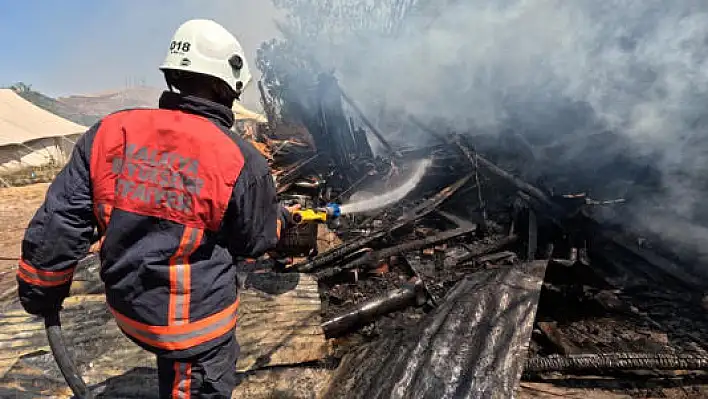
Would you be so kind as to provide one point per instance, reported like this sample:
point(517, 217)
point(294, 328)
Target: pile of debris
point(479, 279)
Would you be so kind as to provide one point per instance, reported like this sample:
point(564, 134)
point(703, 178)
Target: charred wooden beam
point(426, 242)
point(337, 254)
point(477, 160)
point(480, 199)
point(497, 257)
point(488, 249)
point(364, 259)
point(559, 340)
point(406, 296)
point(526, 224)
point(459, 221)
point(292, 174)
point(617, 361)
point(368, 123)
point(527, 188)
point(398, 249)
point(267, 105)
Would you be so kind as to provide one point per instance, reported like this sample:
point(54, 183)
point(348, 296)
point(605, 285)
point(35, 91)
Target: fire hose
point(52, 324)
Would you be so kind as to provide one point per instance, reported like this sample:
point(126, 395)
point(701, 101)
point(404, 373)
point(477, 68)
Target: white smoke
point(557, 71)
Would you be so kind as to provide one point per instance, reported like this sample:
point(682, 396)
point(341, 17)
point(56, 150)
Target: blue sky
point(64, 47)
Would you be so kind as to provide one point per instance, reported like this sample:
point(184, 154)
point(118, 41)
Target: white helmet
point(203, 46)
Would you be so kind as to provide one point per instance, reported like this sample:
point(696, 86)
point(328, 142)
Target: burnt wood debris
point(478, 279)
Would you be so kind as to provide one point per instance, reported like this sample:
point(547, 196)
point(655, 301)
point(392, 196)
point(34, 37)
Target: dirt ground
point(17, 206)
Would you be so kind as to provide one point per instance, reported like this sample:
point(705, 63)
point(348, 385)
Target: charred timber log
point(476, 160)
point(487, 249)
point(457, 220)
point(412, 294)
point(504, 257)
point(337, 254)
point(366, 121)
point(267, 106)
point(398, 249)
point(291, 175)
point(362, 257)
point(432, 203)
point(616, 362)
point(527, 188)
point(473, 345)
point(480, 200)
point(558, 340)
point(332, 135)
point(426, 242)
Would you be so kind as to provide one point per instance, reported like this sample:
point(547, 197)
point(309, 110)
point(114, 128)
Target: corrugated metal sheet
point(473, 346)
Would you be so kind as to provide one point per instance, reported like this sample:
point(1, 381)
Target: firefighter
point(175, 196)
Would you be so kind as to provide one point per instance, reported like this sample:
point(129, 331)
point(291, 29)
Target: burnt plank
point(473, 345)
point(536, 390)
point(557, 338)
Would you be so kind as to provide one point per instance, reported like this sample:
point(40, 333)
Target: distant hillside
point(56, 107)
point(87, 109)
point(138, 97)
point(102, 104)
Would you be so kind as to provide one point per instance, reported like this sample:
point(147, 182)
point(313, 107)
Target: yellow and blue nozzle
point(317, 215)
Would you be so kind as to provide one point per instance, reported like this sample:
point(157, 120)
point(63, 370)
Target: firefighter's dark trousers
point(210, 375)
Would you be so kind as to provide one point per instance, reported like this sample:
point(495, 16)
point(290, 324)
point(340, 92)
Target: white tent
point(31, 136)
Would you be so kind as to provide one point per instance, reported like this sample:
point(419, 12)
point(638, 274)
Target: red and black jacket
point(176, 196)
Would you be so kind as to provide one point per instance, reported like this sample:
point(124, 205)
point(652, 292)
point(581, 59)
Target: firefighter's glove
point(42, 302)
point(288, 211)
point(41, 309)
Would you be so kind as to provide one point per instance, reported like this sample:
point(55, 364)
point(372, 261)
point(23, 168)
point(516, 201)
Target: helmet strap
point(168, 81)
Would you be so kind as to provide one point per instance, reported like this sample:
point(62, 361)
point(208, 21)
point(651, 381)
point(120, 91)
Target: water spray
point(390, 197)
point(332, 211)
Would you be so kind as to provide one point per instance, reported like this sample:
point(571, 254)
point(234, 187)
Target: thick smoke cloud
point(599, 93)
